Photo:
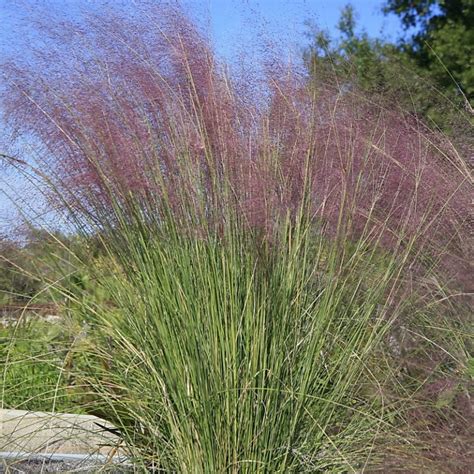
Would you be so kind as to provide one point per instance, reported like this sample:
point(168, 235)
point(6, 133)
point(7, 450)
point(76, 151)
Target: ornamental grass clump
point(263, 239)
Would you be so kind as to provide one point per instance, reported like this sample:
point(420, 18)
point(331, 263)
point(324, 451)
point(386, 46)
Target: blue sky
point(229, 20)
point(233, 25)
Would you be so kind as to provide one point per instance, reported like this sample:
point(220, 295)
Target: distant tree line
point(30, 263)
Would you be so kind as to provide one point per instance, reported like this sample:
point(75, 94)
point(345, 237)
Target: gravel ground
point(47, 466)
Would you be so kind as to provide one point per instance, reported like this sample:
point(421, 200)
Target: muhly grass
point(219, 358)
point(274, 259)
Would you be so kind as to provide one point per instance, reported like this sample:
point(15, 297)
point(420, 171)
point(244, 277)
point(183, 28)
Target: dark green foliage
point(444, 41)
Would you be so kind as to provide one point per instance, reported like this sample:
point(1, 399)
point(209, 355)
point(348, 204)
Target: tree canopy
point(444, 41)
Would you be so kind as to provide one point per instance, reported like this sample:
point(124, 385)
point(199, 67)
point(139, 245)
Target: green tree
point(353, 60)
point(444, 42)
point(350, 59)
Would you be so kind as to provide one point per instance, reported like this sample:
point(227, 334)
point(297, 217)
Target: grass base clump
point(215, 357)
